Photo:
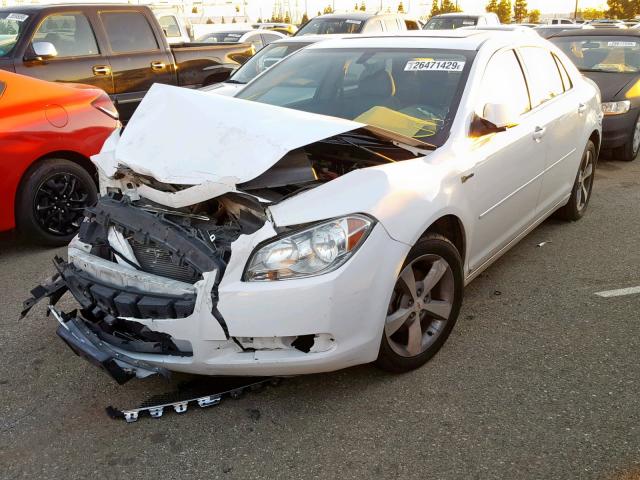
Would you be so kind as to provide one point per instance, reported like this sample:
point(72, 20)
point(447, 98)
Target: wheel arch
point(595, 138)
point(72, 156)
point(451, 227)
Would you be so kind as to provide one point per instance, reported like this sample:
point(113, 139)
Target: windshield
point(264, 59)
point(450, 23)
point(222, 37)
point(414, 92)
point(326, 26)
point(11, 27)
point(602, 54)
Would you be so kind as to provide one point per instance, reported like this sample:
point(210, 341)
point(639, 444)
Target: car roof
point(349, 16)
point(600, 32)
point(461, 14)
point(441, 39)
point(37, 8)
point(566, 26)
point(309, 39)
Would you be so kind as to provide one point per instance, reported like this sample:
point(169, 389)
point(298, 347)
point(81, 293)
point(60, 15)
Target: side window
point(566, 80)
point(373, 26)
point(545, 80)
point(504, 83)
point(169, 26)
point(390, 24)
point(267, 38)
point(411, 25)
point(70, 33)
point(128, 32)
point(256, 41)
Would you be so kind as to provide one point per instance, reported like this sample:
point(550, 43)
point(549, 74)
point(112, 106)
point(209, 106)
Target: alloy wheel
point(585, 180)
point(59, 203)
point(420, 306)
point(636, 138)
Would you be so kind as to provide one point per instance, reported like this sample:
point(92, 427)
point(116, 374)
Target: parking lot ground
point(540, 379)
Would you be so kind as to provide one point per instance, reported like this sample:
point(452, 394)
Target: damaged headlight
point(309, 252)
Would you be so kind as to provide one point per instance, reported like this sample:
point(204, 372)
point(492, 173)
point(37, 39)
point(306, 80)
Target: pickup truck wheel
point(629, 151)
point(424, 305)
point(582, 187)
point(51, 201)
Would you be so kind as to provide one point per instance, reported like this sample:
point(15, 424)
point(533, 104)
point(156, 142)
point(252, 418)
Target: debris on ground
point(202, 391)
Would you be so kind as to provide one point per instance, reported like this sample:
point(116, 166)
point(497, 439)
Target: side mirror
point(44, 50)
point(496, 117)
point(502, 115)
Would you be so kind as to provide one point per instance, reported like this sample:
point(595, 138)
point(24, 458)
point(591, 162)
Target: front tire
point(51, 201)
point(629, 151)
point(582, 187)
point(424, 305)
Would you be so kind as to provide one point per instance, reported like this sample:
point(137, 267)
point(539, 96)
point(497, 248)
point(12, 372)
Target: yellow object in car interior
point(398, 122)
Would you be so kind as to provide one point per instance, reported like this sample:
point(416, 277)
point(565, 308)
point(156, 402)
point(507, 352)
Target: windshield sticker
point(621, 44)
point(430, 65)
point(355, 22)
point(18, 17)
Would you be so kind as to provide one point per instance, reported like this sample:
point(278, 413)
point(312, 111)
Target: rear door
point(560, 122)
point(507, 175)
point(79, 58)
point(137, 58)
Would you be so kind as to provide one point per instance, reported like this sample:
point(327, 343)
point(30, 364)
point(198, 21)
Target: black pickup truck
point(119, 48)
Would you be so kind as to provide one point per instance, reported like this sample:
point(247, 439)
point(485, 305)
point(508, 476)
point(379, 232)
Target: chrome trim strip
point(484, 214)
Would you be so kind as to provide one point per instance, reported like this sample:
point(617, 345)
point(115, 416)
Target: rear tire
point(51, 200)
point(424, 306)
point(629, 151)
point(582, 187)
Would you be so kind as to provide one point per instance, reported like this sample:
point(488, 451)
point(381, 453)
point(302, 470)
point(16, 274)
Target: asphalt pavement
point(539, 380)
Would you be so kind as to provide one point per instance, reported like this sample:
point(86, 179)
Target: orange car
point(48, 131)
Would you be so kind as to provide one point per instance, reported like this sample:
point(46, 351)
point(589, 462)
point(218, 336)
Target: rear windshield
point(450, 23)
point(413, 92)
point(602, 54)
point(222, 37)
point(264, 59)
point(322, 26)
point(12, 25)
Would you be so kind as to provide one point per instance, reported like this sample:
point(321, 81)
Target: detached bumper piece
point(197, 392)
point(88, 345)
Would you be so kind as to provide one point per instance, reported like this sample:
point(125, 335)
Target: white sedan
point(330, 216)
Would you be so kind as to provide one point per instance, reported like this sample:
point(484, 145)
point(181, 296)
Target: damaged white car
point(330, 216)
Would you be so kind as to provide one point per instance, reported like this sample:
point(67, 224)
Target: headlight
point(616, 108)
point(313, 251)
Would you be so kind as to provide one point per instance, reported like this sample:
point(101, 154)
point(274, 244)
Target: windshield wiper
point(237, 82)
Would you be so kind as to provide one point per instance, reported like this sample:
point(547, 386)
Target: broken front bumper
point(86, 344)
point(135, 321)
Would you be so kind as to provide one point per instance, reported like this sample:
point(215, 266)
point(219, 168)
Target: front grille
point(156, 260)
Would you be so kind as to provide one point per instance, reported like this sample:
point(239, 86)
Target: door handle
point(538, 133)
point(158, 65)
point(101, 69)
point(582, 108)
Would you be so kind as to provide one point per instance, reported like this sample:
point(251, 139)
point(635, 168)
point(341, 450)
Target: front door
point(137, 59)
point(507, 174)
point(78, 60)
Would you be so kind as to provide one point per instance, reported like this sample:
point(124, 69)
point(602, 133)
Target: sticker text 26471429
point(419, 65)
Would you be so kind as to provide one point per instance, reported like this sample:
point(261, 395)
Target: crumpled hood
point(187, 137)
